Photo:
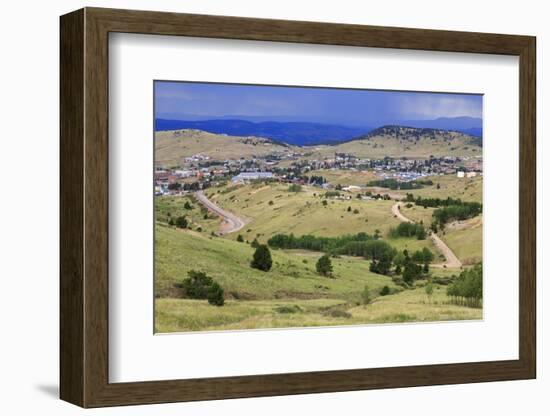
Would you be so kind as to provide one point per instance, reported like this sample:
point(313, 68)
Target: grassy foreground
point(292, 294)
point(180, 315)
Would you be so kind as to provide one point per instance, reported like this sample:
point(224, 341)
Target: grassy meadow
point(292, 293)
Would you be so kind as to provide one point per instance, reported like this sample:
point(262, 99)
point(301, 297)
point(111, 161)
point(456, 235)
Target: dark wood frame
point(84, 207)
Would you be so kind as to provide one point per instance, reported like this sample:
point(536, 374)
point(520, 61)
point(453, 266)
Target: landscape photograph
point(296, 207)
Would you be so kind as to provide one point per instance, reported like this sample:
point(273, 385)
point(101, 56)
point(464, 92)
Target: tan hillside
point(172, 146)
point(408, 142)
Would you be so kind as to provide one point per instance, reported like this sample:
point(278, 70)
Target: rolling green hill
point(272, 209)
point(292, 294)
point(293, 274)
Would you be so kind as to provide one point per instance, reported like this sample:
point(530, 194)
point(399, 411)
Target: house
point(460, 174)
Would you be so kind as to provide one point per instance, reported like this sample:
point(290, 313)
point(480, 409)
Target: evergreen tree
point(261, 259)
point(324, 266)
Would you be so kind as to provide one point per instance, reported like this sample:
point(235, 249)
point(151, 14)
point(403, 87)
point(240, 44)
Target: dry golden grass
point(172, 146)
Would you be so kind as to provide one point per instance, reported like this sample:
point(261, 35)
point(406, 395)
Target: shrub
point(201, 286)
point(181, 222)
point(324, 266)
point(187, 205)
point(365, 295)
point(197, 284)
point(337, 313)
point(215, 295)
point(288, 309)
point(385, 291)
point(261, 259)
point(295, 188)
point(429, 289)
point(240, 238)
point(255, 243)
point(331, 194)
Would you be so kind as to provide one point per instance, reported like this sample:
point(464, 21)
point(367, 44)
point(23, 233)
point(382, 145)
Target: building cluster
point(199, 171)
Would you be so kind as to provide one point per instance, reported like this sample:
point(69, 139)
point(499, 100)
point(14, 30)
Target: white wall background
point(29, 84)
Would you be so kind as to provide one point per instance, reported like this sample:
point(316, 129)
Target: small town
point(199, 171)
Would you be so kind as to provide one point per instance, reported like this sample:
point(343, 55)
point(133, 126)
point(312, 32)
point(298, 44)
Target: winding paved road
point(451, 260)
point(230, 222)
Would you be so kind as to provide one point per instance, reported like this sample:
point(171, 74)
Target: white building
point(351, 188)
point(460, 174)
point(251, 176)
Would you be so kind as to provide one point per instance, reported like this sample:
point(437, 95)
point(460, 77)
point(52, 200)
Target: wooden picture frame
point(84, 207)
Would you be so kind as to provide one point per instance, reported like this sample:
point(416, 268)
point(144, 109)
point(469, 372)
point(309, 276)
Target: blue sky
point(187, 101)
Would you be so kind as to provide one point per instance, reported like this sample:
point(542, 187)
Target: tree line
point(467, 288)
point(394, 184)
point(385, 259)
point(448, 209)
point(333, 245)
point(408, 229)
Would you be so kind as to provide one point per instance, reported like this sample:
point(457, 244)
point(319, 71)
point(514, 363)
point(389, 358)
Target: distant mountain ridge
point(294, 133)
point(311, 133)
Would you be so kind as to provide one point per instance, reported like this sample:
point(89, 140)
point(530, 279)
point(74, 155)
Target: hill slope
point(393, 141)
point(172, 146)
point(399, 141)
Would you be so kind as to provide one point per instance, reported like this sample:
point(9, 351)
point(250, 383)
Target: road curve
point(230, 222)
point(451, 260)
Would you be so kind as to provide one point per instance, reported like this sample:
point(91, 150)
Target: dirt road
point(451, 260)
point(230, 222)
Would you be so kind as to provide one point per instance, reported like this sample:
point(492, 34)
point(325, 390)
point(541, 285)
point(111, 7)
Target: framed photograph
point(260, 207)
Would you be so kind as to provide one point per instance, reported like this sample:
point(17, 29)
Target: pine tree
point(324, 266)
point(261, 259)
